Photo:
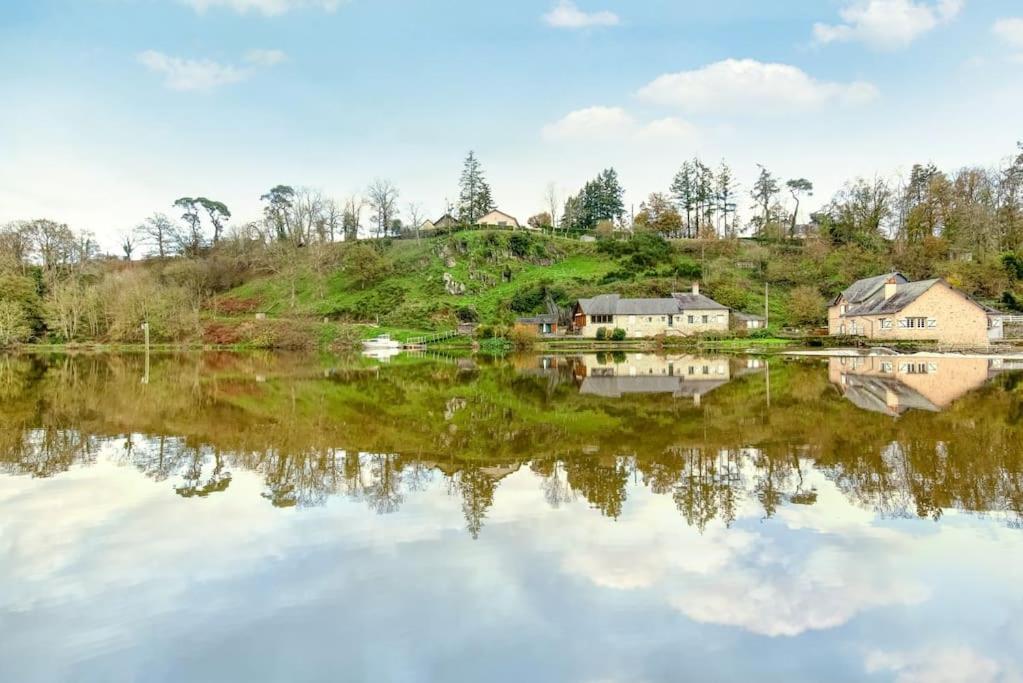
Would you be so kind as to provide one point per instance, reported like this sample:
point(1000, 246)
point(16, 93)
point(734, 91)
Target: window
point(601, 319)
point(887, 368)
point(844, 308)
point(916, 323)
point(886, 323)
point(706, 319)
point(692, 319)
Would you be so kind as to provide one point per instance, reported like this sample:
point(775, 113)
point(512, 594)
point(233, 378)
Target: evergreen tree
point(724, 186)
point(682, 189)
point(474, 197)
point(764, 191)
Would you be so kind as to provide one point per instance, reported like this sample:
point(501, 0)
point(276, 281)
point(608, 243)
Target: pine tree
point(724, 189)
point(474, 197)
point(682, 190)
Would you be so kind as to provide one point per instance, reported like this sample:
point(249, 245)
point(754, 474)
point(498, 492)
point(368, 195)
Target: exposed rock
point(452, 286)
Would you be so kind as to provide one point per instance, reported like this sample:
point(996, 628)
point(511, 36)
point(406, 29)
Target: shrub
point(601, 333)
point(618, 334)
point(14, 327)
point(523, 338)
point(806, 306)
point(467, 314)
point(520, 244)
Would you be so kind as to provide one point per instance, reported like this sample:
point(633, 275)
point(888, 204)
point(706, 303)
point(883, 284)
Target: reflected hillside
point(312, 428)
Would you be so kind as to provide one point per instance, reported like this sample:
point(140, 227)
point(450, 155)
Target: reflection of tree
point(601, 481)
point(477, 489)
point(311, 435)
point(194, 483)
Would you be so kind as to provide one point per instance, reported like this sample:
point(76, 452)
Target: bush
point(520, 244)
point(523, 338)
point(601, 333)
point(618, 334)
point(806, 306)
point(14, 327)
point(467, 314)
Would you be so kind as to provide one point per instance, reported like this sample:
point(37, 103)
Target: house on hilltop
point(498, 219)
point(890, 307)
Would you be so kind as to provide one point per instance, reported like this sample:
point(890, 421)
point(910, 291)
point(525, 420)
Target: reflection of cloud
point(749, 578)
point(954, 664)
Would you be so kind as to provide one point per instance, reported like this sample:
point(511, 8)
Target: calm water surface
point(219, 517)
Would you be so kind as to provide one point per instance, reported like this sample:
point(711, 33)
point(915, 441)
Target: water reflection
point(587, 425)
point(894, 384)
point(260, 517)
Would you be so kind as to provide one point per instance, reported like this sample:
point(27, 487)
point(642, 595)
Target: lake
point(592, 518)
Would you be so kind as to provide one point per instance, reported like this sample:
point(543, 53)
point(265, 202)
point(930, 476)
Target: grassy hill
point(491, 277)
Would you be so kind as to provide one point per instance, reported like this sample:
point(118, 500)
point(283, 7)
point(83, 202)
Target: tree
point(858, 212)
point(541, 221)
point(157, 231)
point(218, 214)
point(415, 216)
point(725, 193)
point(601, 199)
point(474, 197)
point(14, 327)
point(191, 241)
point(383, 202)
point(127, 245)
point(806, 306)
point(765, 189)
point(683, 191)
point(364, 263)
point(351, 218)
point(797, 188)
point(658, 213)
point(278, 203)
point(552, 203)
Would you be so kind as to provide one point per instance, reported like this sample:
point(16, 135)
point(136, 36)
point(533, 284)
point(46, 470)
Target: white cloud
point(749, 86)
point(614, 123)
point(939, 665)
point(268, 7)
point(566, 14)
point(887, 24)
point(266, 57)
point(205, 74)
point(1010, 32)
point(191, 74)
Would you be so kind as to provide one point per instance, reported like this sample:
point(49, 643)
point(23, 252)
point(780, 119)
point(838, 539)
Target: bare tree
point(157, 232)
point(383, 201)
point(415, 216)
point(553, 203)
point(332, 218)
point(351, 219)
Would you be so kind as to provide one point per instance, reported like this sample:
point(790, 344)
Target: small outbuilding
point(498, 219)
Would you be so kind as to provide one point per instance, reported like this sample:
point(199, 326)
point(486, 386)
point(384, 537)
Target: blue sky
point(113, 108)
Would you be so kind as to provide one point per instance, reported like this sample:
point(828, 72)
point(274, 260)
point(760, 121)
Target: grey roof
point(905, 294)
point(613, 304)
point(546, 318)
point(697, 302)
point(866, 297)
point(613, 387)
point(863, 289)
point(873, 394)
point(740, 316)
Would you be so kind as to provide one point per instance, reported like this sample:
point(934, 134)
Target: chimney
point(890, 286)
point(696, 288)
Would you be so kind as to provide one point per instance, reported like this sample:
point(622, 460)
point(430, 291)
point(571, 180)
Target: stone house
point(677, 315)
point(890, 307)
point(498, 219)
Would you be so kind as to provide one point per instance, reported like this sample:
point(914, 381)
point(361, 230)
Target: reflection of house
point(680, 314)
point(895, 384)
point(498, 219)
point(614, 375)
point(890, 307)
